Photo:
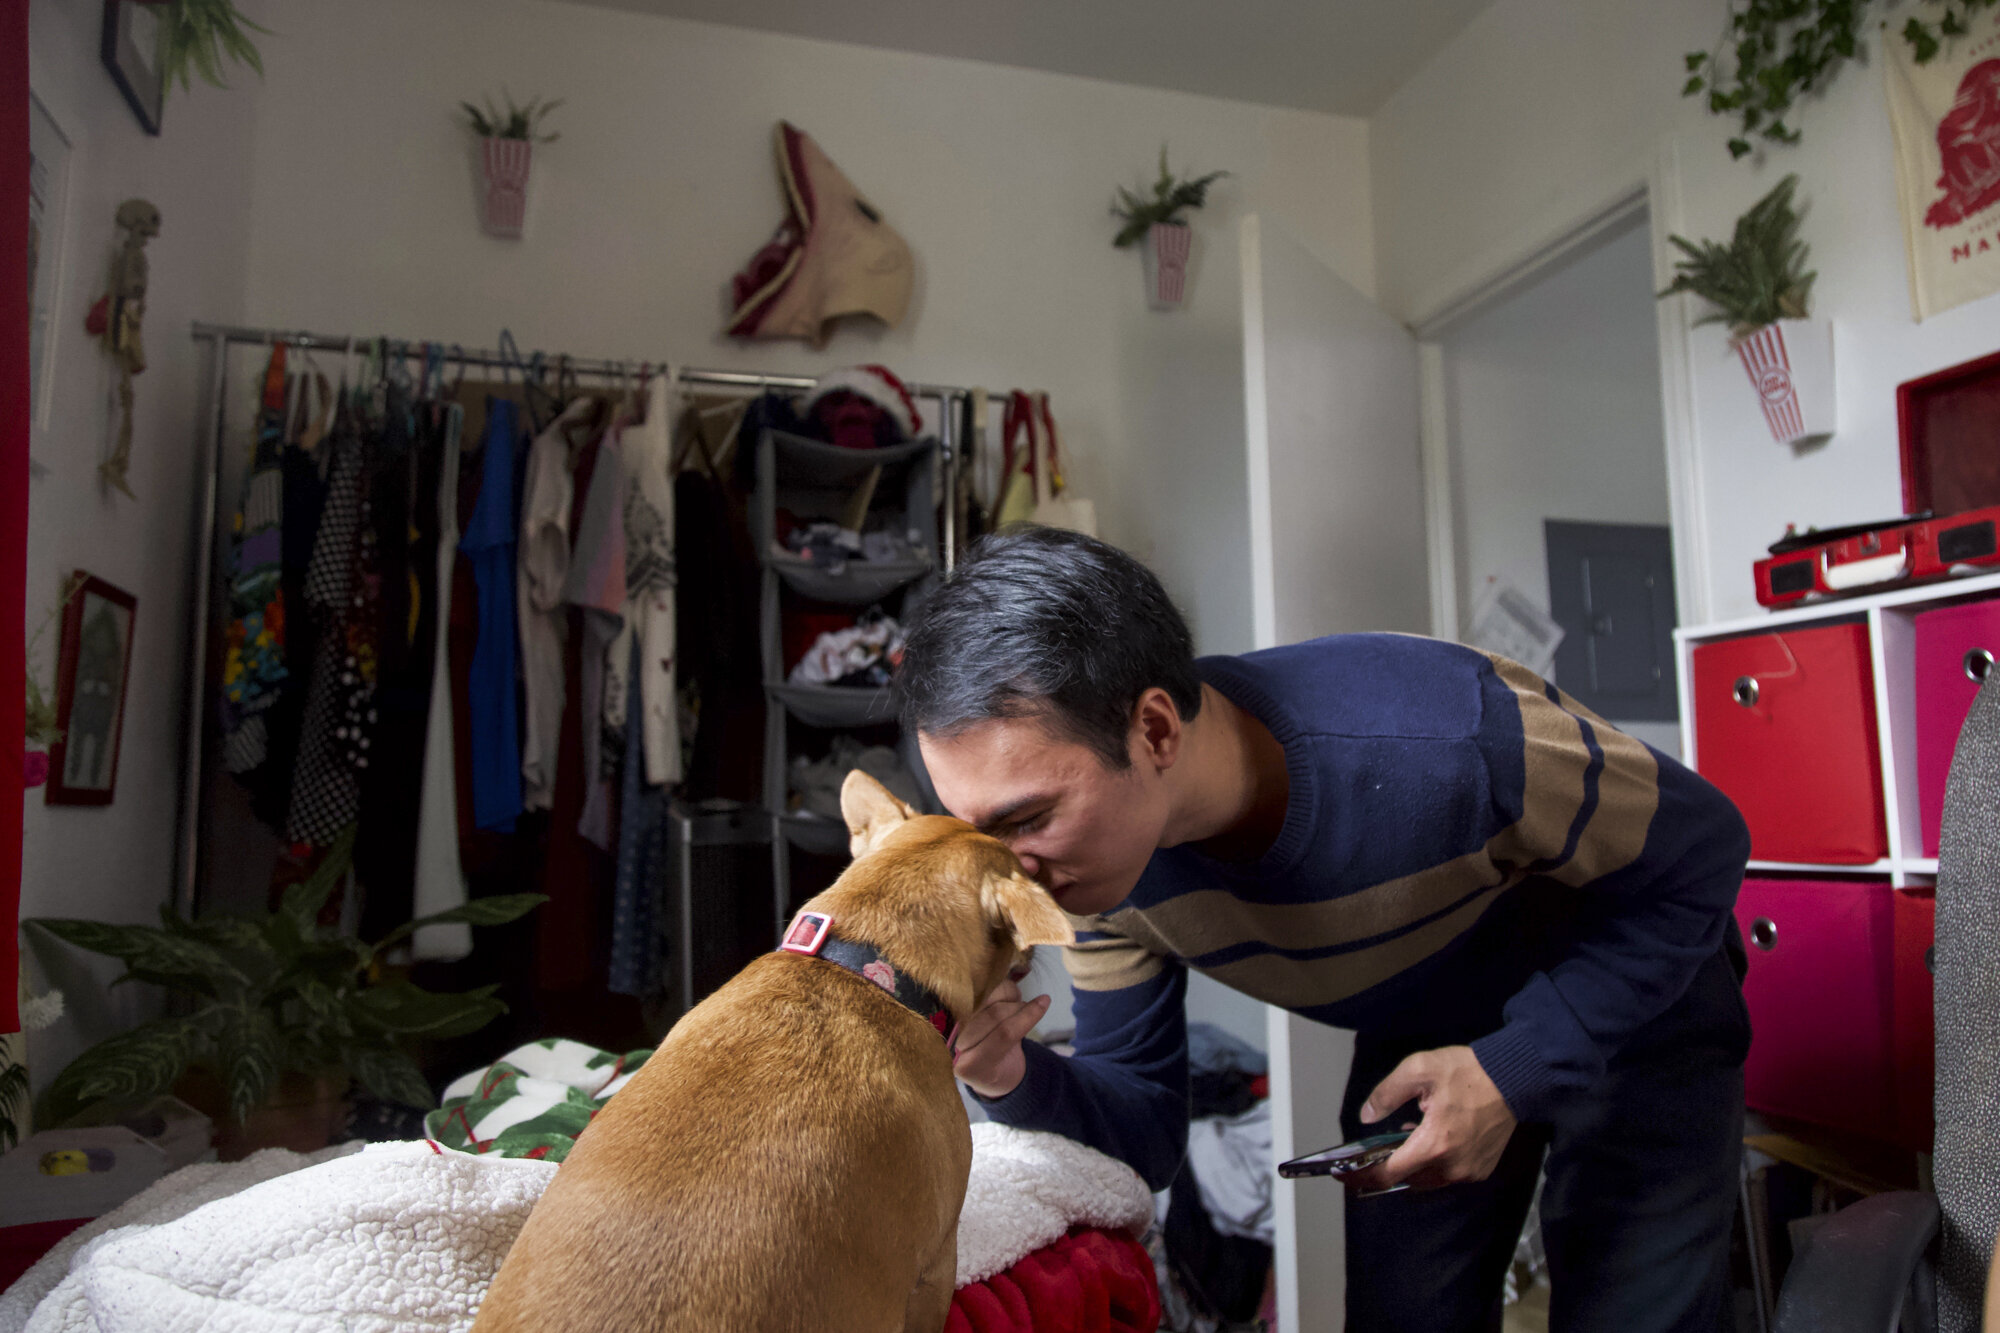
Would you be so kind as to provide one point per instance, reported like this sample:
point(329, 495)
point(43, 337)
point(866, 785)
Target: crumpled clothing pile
point(829, 546)
point(865, 656)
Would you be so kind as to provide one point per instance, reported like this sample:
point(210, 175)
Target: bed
point(407, 1235)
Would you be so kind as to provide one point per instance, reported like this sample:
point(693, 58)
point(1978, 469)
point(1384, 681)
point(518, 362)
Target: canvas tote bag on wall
point(1946, 118)
point(1034, 491)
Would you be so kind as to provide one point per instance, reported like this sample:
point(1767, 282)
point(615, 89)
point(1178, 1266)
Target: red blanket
point(1090, 1281)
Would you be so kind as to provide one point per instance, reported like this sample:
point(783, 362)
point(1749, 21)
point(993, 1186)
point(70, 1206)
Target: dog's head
point(945, 902)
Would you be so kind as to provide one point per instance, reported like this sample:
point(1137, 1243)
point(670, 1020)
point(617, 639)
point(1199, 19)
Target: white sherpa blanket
point(404, 1236)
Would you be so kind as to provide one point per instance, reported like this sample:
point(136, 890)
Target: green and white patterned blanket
point(532, 1102)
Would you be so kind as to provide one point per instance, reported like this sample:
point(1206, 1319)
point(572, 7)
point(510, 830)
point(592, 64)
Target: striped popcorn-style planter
point(504, 173)
point(1790, 365)
point(1166, 249)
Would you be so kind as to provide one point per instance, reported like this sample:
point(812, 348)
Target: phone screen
point(1347, 1158)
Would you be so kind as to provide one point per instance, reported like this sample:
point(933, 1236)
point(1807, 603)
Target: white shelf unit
point(1891, 620)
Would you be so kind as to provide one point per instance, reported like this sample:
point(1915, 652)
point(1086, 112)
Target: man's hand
point(1465, 1127)
point(987, 1055)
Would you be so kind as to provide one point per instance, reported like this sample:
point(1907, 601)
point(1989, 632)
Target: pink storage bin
point(1821, 992)
point(1954, 646)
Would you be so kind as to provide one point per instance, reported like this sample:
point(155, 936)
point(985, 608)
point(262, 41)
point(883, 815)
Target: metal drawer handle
point(1978, 661)
point(1764, 933)
point(1745, 691)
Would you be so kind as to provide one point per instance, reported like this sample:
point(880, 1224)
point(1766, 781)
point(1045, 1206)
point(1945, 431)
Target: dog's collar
point(811, 934)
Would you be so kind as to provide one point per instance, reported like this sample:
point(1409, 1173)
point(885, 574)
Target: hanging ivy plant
point(198, 36)
point(1775, 51)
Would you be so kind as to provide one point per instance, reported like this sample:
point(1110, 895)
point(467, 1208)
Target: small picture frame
point(131, 52)
point(91, 671)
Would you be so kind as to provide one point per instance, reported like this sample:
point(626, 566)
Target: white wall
point(338, 194)
point(116, 862)
point(1553, 403)
point(663, 185)
point(1541, 112)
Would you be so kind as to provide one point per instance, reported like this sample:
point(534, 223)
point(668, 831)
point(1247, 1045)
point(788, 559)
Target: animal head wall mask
point(832, 256)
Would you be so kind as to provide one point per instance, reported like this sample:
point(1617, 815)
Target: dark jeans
point(1636, 1215)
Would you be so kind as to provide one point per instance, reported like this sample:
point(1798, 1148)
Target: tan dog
point(794, 1155)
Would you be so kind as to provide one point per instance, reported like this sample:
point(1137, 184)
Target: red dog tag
point(807, 932)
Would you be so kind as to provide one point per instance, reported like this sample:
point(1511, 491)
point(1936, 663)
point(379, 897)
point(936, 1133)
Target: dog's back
point(792, 1157)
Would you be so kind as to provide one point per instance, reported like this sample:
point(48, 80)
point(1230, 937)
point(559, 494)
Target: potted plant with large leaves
point(279, 1010)
point(1759, 286)
point(1167, 241)
point(506, 151)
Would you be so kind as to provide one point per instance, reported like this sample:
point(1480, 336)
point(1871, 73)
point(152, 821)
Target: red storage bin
point(1913, 1027)
point(1785, 726)
point(1820, 991)
point(1954, 646)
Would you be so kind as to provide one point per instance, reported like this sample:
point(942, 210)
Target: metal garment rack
point(221, 337)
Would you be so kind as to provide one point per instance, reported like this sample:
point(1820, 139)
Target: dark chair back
point(1966, 990)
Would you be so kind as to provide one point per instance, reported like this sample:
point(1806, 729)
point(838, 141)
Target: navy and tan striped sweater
point(1435, 792)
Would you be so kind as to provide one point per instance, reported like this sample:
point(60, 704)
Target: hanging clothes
point(578, 876)
point(305, 487)
point(326, 793)
point(440, 876)
point(638, 952)
point(596, 583)
point(488, 544)
point(408, 454)
point(647, 449)
point(253, 661)
point(547, 493)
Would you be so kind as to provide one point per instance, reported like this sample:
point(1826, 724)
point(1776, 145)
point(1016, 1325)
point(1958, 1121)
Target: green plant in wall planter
point(1154, 223)
point(1773, 52)
point(42, 731)
point(506, 151)
point(202, 37)
point(254, 998)
point(1758, 285)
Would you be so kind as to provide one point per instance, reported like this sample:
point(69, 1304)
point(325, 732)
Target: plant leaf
point(249, 1052)
point(409, 1010)
point(390, 1075)
point(302, 901)
point(150, 949)
point(497, 910)
point(129, 1067)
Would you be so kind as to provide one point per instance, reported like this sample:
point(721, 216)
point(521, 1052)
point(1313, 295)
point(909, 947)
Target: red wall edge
point(13, 486)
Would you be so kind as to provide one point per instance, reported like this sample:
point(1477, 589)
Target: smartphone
point(1347, 1158)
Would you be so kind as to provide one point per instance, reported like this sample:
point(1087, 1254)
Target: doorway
point(1554, 445)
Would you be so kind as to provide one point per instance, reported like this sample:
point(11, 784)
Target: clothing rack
point(221, 337)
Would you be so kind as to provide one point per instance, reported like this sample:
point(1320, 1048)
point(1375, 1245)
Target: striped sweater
point(1436, 792)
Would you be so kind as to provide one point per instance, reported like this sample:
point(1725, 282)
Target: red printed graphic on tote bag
point(1968, 140)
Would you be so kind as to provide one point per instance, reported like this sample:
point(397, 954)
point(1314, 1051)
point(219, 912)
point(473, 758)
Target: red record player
point(1948, 423)
point(1845, 561)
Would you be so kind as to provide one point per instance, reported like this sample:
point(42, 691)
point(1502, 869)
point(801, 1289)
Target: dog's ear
point(1025, 909)
point(871, 810)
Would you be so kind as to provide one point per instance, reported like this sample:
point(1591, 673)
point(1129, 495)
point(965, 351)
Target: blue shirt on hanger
point(488, 544)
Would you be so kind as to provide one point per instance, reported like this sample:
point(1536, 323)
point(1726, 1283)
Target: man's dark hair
point(1044, 622)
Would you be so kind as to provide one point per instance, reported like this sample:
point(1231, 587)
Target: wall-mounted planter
point(1166, 250)
point(1790, 364)
point(503, 171)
